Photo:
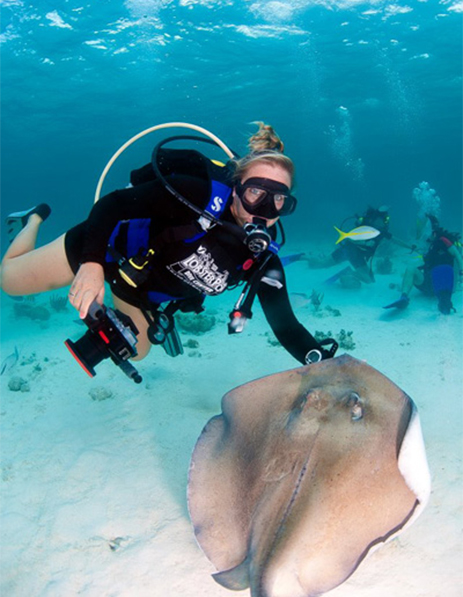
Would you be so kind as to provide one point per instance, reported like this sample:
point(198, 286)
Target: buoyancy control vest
point(130, 244)
point(132, 248)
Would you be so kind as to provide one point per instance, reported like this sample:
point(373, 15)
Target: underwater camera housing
point(110, 334)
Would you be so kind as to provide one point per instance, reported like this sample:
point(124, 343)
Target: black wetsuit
point(438, 254)
point(191, 268)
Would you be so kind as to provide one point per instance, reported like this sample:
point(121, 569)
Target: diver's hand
point(88, 286)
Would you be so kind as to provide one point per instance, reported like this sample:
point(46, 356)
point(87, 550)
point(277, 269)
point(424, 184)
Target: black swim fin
point(401, 303)
point(17, 221)
point(445, 302)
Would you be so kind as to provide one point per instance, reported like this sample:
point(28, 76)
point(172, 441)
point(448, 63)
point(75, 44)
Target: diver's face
point(258, 170)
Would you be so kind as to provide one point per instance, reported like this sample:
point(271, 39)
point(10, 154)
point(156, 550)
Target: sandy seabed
point(93, 492)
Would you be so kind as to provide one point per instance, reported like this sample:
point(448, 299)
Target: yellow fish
point(359, 233)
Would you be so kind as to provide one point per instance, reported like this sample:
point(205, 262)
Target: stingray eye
point(356, 412)
point(356, 406)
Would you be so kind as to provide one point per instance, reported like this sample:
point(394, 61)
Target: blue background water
point(366, 96)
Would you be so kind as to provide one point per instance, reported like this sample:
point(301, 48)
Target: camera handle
point(130, 371)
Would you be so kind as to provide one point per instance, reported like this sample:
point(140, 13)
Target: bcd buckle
point(132, 270)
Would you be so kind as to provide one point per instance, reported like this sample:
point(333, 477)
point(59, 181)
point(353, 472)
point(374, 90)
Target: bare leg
point(144, 345)
point(412, 277)
point(27, 270)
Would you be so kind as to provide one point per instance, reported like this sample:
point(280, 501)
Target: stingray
point(303, 475)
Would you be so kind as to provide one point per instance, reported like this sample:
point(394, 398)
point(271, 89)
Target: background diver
point(356, 250)
point(435, 276)
point(153, 251)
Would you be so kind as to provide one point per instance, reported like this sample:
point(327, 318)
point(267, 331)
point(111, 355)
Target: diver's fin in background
point(401, 303)
point(173, 343)
point(287, 259)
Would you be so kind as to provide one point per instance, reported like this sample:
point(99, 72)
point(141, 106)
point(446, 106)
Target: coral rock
point(18, 384)
point(100, 393)
point(195, 323)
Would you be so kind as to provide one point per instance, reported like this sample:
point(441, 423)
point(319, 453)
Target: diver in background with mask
point(358, 252)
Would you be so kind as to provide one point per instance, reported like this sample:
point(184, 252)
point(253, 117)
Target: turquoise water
point(366, 96)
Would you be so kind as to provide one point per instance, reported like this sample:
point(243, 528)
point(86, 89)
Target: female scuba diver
point(157, 256)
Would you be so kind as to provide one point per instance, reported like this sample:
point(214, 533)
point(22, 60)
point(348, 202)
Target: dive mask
point(266, 198)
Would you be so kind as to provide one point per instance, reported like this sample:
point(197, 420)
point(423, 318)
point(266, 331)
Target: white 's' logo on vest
point(217, 203)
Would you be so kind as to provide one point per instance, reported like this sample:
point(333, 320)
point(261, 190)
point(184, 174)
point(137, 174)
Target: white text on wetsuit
point(200, 271)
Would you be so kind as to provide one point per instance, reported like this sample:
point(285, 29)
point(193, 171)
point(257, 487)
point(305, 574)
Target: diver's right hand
point(88, 286)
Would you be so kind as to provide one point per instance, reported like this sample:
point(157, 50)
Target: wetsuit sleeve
point(150, 200)
point(102, 220)
point(291, 334)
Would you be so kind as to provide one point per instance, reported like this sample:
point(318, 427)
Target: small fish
point(360, 233)
point(10, 361)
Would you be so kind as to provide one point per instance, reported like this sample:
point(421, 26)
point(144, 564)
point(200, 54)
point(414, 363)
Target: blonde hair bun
point(265, 147)
point(265, 139)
